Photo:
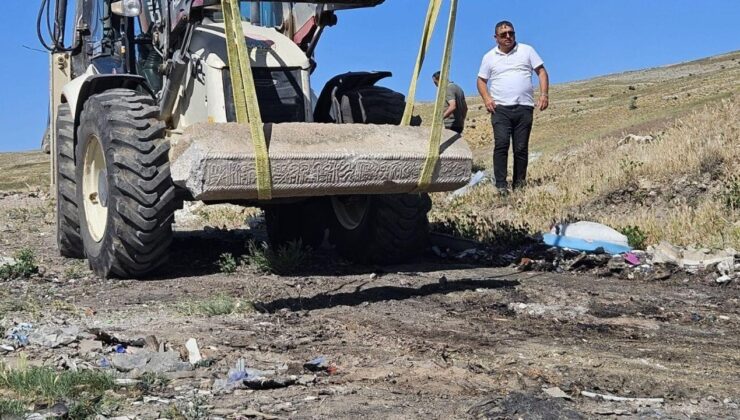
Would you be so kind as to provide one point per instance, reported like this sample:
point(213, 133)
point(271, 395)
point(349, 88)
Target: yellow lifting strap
point(245, 94)
point(429, 23)
point(439, 105)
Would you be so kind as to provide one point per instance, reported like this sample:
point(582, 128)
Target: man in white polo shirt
point(505, 84)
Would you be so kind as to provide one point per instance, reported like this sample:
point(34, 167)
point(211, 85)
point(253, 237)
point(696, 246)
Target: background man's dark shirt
point(456, 121)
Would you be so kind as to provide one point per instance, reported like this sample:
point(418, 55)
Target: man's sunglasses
point(507, 34)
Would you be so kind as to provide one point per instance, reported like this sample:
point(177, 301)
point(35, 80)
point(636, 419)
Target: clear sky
point(578, 39)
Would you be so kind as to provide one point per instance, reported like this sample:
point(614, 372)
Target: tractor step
point(216, 161)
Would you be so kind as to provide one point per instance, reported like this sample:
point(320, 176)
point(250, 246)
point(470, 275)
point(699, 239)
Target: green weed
point(11, 408)
point(23, 267)
point(287, 259)
point(151, 382)
point(635, 236)
point(31, 385)
point(227, 264)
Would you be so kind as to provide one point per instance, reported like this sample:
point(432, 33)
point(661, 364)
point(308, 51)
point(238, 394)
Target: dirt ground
point(433, 339)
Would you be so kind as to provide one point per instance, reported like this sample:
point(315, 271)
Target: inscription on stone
point(294, 171)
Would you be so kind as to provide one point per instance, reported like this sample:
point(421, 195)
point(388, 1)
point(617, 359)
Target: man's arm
point(544, 100)
point(483, 91)
point(451, 107)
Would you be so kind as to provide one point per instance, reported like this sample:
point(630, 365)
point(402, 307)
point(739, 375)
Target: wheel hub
point(95, 189)
point(350, 210)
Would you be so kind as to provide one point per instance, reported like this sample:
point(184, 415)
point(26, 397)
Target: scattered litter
point(193, 351)
point(628, 399)
point(113, 339)
point(155, 400)
point(320, 364)
point(104, 363)
point(587, 236)
point(270, 382)
point(317, 364)
point(18, 335)
point(120, 348)
point(475, 179)
point(690, 259)
point(240, 377)
point(556, 392)
point(125, 382)
point(249, 413)
point(723, 279)
point(632, 258)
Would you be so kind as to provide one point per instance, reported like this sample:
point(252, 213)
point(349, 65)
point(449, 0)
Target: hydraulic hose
point(57, 32)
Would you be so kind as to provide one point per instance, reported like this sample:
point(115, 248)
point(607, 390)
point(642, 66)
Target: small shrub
point(731, 193)
point(629, 166)
point(227, 264)
point(711, 162)
point(287, 259)
point(24, 266)
point(151, 382)
point(194, 409)
point(633, 103)
point(635, 236)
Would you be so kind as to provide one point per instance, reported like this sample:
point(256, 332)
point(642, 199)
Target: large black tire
point(394, 229)
point(135, 194)
point(372, 105)
point(69, 241)
point(304, 221)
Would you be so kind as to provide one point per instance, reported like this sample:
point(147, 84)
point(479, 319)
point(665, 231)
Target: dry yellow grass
point(680, 188)
point(24, 171)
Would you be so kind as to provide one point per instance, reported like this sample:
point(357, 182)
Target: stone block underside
point(216, 161)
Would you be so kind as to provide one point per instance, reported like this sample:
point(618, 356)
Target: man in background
point(457, 107)
point(505, 84)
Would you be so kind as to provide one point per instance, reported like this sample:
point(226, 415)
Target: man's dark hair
point(436, 75)
point(503, 23)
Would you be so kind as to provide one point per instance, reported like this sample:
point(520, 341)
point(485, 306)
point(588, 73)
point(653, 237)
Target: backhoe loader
point(147, 105)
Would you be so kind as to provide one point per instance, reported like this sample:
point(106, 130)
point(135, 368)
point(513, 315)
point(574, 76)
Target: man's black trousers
point(511, 124)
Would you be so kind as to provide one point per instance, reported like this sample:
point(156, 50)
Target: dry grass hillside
point(683, 187)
